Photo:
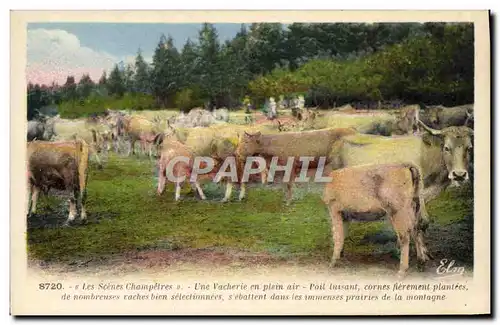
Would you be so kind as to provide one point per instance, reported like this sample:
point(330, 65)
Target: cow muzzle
point(458, 177)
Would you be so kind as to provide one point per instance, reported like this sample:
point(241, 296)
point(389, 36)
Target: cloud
point(53, 54)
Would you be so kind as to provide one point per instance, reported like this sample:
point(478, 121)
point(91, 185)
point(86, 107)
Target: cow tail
point(83, 161)
point(422, 221)
point(418, 202)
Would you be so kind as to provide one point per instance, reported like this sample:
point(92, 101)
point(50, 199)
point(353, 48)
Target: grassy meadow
point(126, 215)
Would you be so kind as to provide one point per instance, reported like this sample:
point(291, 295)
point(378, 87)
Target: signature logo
point(447, 268)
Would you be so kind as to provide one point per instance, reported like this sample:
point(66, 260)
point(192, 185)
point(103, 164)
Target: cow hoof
point(402, 274)
point(224, 201)
point(332, 264)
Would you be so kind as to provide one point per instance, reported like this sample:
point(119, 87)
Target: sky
point(56, 50)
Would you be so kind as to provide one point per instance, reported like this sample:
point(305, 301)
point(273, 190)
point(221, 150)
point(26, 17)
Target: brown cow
point(316, 143)
point(61, 165)
point(371, 192)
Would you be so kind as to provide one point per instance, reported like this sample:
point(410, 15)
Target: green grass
point(125, 189)
point(125, 214)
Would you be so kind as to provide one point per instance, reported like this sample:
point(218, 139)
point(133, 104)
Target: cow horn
point(430, 130)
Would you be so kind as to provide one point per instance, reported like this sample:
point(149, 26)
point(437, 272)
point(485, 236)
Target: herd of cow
point(389, 168)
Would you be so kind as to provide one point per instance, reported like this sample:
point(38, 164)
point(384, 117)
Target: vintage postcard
point(250, 163)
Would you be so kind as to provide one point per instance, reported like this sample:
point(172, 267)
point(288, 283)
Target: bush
point(187, 99)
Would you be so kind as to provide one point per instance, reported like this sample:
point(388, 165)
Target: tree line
point(329, 63)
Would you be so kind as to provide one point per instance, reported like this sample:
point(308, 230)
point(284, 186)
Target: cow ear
point(432, 140)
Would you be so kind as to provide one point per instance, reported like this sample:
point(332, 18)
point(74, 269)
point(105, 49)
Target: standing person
point(247, 104)
point(272, 108)
point(295, 106)
point(302, 102)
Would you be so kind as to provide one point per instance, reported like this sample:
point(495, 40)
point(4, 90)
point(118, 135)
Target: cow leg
point(150, 145)
point(81, 194)
point(229, 191)
point(116, 142)
point(130, 144)
point(98, 160)
point(401, 223)
point(431, 192)
point(34, 197)
point(242, 191)
point(161, 178)
point(200, 190)
point(263, 176)
point(337, 231)
point(72, 210)
point(422, 253)
point(177, 191)
point(345, 227)
point(289, 186)
point(404, 242)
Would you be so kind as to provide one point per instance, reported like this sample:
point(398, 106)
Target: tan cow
point(140, 128)
point(440, 117)
point(316, 144)
point(403, 123)
point(371, 192)
point(444, 156)
point(61, 165)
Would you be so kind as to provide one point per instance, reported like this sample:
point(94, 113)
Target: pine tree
point(210, 63)
point(85, 86)
point(166, 71)
point(116, 82)
point(142, 75)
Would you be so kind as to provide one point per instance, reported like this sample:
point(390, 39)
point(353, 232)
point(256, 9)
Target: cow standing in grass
point(138, 128)
point(404, 123)
point(41, 129)
point(62, 166)
point(172, 150)
point(371, 192)
point(316, 144)
point(440, 117)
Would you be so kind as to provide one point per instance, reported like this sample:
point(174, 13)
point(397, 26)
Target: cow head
point(249, 144)
point(408, 119)
point(434, 113)
point(456, 144)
